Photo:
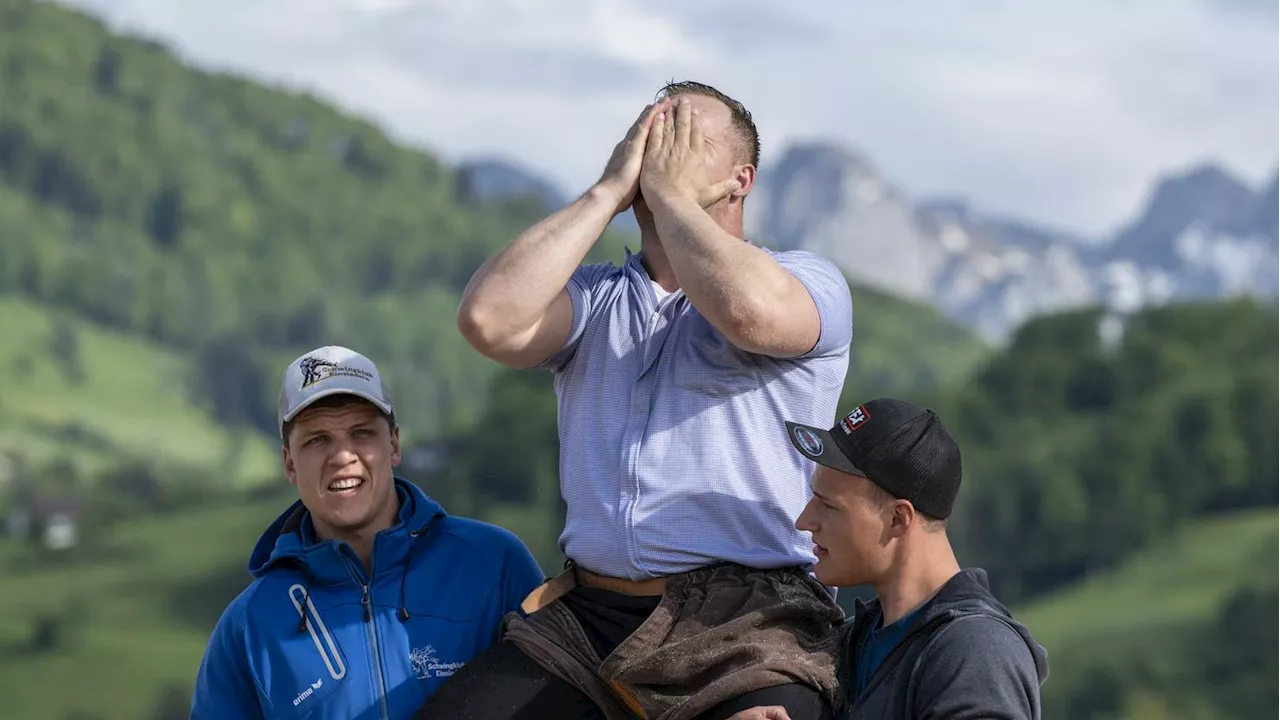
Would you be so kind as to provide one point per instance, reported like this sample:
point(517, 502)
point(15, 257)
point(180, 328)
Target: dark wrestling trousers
point(505, 684)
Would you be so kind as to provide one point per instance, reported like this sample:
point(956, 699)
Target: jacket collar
point(290, 541)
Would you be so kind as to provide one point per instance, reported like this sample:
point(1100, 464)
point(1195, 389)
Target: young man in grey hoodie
point(935, 643)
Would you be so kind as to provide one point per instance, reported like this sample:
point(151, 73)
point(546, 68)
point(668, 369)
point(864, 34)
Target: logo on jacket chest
point(308, 692)
point(426, 665)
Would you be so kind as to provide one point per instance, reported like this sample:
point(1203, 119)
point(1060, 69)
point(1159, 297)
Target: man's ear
point(904, 516)
point(395, 446)
point(746, 177)
point(290, 470)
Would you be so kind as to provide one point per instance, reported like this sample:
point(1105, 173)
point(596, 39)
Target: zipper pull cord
point(306, 599)
point(416, 535)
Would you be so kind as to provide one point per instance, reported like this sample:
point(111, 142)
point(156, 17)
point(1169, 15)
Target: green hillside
point(125, 618)
point(1181, 581)
point(900, 347)
point(1133, 624)
point(79, 391)
point(196, 208)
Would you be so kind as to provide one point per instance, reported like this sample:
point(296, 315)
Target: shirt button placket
point(641, 398)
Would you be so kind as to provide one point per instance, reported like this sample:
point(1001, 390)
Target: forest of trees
point(1077, 453)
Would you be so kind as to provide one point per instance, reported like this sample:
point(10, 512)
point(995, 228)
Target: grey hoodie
point(963, 657)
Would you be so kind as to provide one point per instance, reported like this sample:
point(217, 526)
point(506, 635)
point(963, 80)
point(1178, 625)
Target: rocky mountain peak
point(491, 179)
point(1205, 197)
point(1267, 210)
point(810, 182)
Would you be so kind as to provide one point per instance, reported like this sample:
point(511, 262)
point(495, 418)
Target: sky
point(1059, 113)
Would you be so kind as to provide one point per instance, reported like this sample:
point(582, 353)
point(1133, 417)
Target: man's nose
point(802, 522)
point(343, 453)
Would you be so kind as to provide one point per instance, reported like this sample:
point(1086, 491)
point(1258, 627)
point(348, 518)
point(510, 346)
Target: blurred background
point(1058, 221)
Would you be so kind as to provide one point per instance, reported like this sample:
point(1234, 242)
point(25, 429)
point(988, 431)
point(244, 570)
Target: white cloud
point(1061, 113)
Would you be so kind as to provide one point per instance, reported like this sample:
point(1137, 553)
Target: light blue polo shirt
point(674, 454)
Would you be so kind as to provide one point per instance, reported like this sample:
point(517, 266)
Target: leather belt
point(573, 576)
point(652, 586)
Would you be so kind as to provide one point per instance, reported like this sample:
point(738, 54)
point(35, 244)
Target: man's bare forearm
point(743, 292)
point(511, 292)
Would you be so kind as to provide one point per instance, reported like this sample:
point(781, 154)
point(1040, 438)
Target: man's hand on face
point(621, 177)
point(675, 161)
point(772, 712)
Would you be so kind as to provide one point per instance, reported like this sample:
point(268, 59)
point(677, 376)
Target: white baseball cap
point(326, 371)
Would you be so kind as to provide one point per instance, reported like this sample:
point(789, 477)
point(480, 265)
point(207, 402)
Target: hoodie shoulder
point(987, 639)
point(237, 613)
point(481, 537)
point(229, 630)
point(980, 666)
point(243, 601)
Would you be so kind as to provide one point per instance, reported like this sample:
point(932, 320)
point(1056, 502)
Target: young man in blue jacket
point(367, 595)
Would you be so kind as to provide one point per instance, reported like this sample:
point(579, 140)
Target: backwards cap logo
point(855, 419)
point(809, 441)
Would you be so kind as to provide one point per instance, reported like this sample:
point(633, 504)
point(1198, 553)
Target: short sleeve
point(584, 289)
point(830, 292)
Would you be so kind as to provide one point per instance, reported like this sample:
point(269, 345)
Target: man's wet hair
point(743, 125)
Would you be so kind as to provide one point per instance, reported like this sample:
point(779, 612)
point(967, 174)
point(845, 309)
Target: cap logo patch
point(808, 441)
point(855, 420)
point(315, 370)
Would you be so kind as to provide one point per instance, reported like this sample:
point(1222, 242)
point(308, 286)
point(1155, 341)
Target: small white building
point(60, 531)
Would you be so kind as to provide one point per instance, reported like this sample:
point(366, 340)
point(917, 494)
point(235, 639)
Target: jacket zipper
point(367, 603)
point(377, 653)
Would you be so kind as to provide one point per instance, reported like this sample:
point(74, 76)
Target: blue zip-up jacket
point(367, 649)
